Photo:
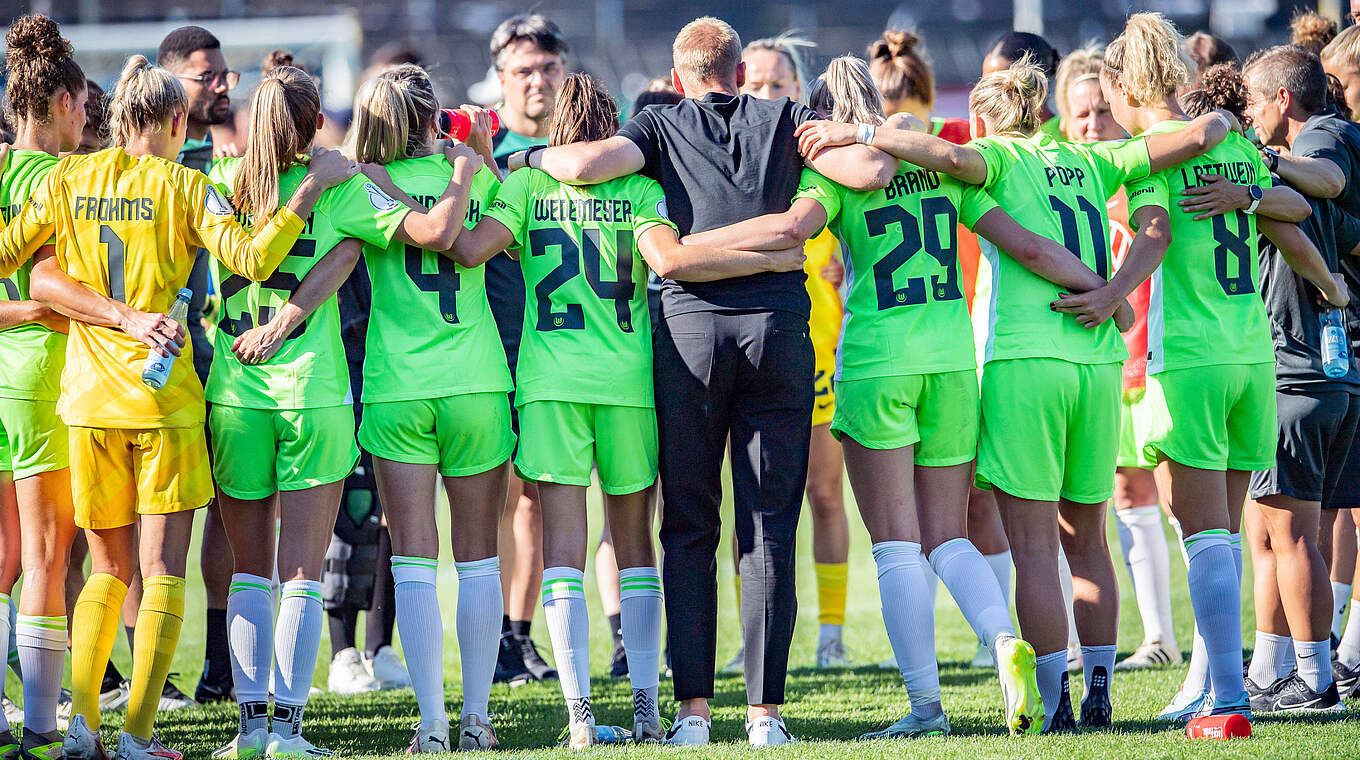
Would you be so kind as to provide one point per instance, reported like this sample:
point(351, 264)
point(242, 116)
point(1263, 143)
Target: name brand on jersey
point(913, 181)
point(474, 213)
point(114, 209)
point(1066, 176)
point(1239, 172)
point(583, 210)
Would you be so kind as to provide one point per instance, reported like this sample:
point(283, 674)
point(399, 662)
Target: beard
point(209, 111)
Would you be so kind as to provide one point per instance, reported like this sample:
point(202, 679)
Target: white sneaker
point(690, 731)
point(768, 732)
point(831, 654)
point(983, 658)
point(1151, 654)
point(114, 699)
point(348, 674)
point(133, 748)
point(247, 747)
point(64, 710)
point(475, 734)
point(388, 669)
point(13, 713)
point(430, 738)
point(82, 742)
point(1073, 657)
point(294, 746)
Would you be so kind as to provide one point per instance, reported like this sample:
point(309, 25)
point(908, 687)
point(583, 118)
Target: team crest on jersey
point(217, 204)
point(661, 209)
point(380, 200)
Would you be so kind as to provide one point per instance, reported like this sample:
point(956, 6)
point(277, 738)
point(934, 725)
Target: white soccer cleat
point(14, 714)
point(64, 710)
point(1185, 706)
point(1073, 657)
point(1151, 654)
point(348, 674)
point(580, 734)
point(831, 654)
point(133, 748)
point(690, 731)
point(476, 734)
point(768, 732)
point(983, 658)
point(114, 699)
point(251, 745)
point(388, 670)
point(82, 742)
point(293, 746)
point(913, 727)
point(430, 738)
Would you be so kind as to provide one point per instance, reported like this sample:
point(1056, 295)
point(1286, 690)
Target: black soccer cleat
point(1293, 695)
point(510, 663)
point(1062, 722)
point(618, 665)
point(1345, 678)
point(213, 690)
point(534, 661)
point(1095, 706)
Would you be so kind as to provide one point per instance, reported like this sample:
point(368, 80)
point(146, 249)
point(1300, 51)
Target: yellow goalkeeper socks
point(94, 626)
point(832, 580)
point(158, 623)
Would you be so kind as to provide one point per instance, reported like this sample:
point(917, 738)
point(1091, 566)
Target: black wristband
point(1272, 159)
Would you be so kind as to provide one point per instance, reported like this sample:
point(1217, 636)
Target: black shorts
point(1313, 459)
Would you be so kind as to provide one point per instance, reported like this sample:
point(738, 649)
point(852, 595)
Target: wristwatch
point(1256, 195)
point(1272, 159)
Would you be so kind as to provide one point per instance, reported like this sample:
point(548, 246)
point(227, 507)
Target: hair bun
point(900, 42)
point(276, 59)
point(36, 37)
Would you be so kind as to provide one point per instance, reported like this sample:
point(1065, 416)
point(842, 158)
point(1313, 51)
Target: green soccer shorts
point(33, 439)
point(259, 451)
point(560, 440)
point(938, 412)
point(465, 434)
point(1218, 417)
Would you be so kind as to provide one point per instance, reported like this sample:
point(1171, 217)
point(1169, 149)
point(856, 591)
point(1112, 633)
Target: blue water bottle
point(156, 371)
point(1336, 348)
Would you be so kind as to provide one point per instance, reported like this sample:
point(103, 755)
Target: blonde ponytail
point(283, 114)
point(846, 93)
point(1149, 58)
point(145, 97)
point(394, 116)
point(1012, 99)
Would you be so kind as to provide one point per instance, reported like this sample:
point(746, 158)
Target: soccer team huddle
point(992, 325)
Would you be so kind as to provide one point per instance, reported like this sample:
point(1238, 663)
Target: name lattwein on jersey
point(1238, 172)
point(114, 209)
point(910, 182)
point(582, 210)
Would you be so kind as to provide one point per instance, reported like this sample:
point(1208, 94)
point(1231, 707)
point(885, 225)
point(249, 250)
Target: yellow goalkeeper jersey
point(127, 227)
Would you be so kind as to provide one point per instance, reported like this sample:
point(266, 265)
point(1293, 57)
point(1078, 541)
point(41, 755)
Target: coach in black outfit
point(732, 357)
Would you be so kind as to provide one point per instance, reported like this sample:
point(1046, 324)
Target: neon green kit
point(906, 329)
point(1035, 412)
point(587, 332)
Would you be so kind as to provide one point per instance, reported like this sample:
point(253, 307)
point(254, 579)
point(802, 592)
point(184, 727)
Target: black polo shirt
point(722, 159)
point(1330, 136)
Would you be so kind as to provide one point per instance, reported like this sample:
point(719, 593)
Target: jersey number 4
point(935, 211)
point(620, 290)
point(444, 281)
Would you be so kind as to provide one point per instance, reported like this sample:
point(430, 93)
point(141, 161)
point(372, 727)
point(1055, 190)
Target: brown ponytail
point(899, 72)
point(39, 63)
point(585, 112)
point(283, 114)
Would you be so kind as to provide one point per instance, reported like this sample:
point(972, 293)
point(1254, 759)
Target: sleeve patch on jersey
point(380, 200)
point(216, 204)
point(661, 209)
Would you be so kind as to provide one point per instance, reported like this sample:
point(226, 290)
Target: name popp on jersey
point(114, 209)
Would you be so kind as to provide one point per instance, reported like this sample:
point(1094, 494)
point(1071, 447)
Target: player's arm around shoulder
point(589, 163)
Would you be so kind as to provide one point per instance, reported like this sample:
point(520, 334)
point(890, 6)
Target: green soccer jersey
point(904, 312)
point(1205, 306)
point(1057, 190)
point(429, 314)
point(587, 332)
point(31, 356)
point(309, 370)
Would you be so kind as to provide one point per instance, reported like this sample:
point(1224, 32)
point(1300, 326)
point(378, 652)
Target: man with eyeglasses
point(194, 55)
point(527, 51)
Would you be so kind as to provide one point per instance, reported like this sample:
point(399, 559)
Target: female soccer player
point(454, 425)
point(126, 223)
point(1086, 118)
point(1045, 377)
point(774, 69)
point(46, 93)
point(1211, 361)
point(585, 382)
point(278, 386)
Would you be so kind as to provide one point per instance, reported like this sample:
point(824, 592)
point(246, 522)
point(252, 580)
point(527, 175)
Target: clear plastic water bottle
point(1336, 348)
point(157, 368)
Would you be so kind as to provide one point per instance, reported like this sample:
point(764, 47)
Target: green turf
point(826, 710)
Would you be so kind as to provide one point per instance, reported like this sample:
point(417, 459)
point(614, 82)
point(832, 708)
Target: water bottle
point(157, 368)
point(456, 124)
point(1336, 348)
point(1231, 726)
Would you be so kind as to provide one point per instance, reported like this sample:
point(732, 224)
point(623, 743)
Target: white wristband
point(864, 134)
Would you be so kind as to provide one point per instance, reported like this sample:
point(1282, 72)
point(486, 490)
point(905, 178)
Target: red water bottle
point(1231, 726)
point(455, 123)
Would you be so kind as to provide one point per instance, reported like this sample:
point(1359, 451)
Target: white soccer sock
point(1145, 553)
point(910, 619)
point(564, 606)
point(1341, 595)
point(1349, 651)
point(1094, 657)
point(1268, 658)
point(1001, 568)
point(422, 630)
point(640, 606)
point(1049, 670)
point(1180, 538)
point(1215, 591)
point(480, 606)
point(4, 637)
point(297, 635)
point(250, 639)
point(966, 574)
point(1315, 663)
point(42, 653)
point(1065, 581)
